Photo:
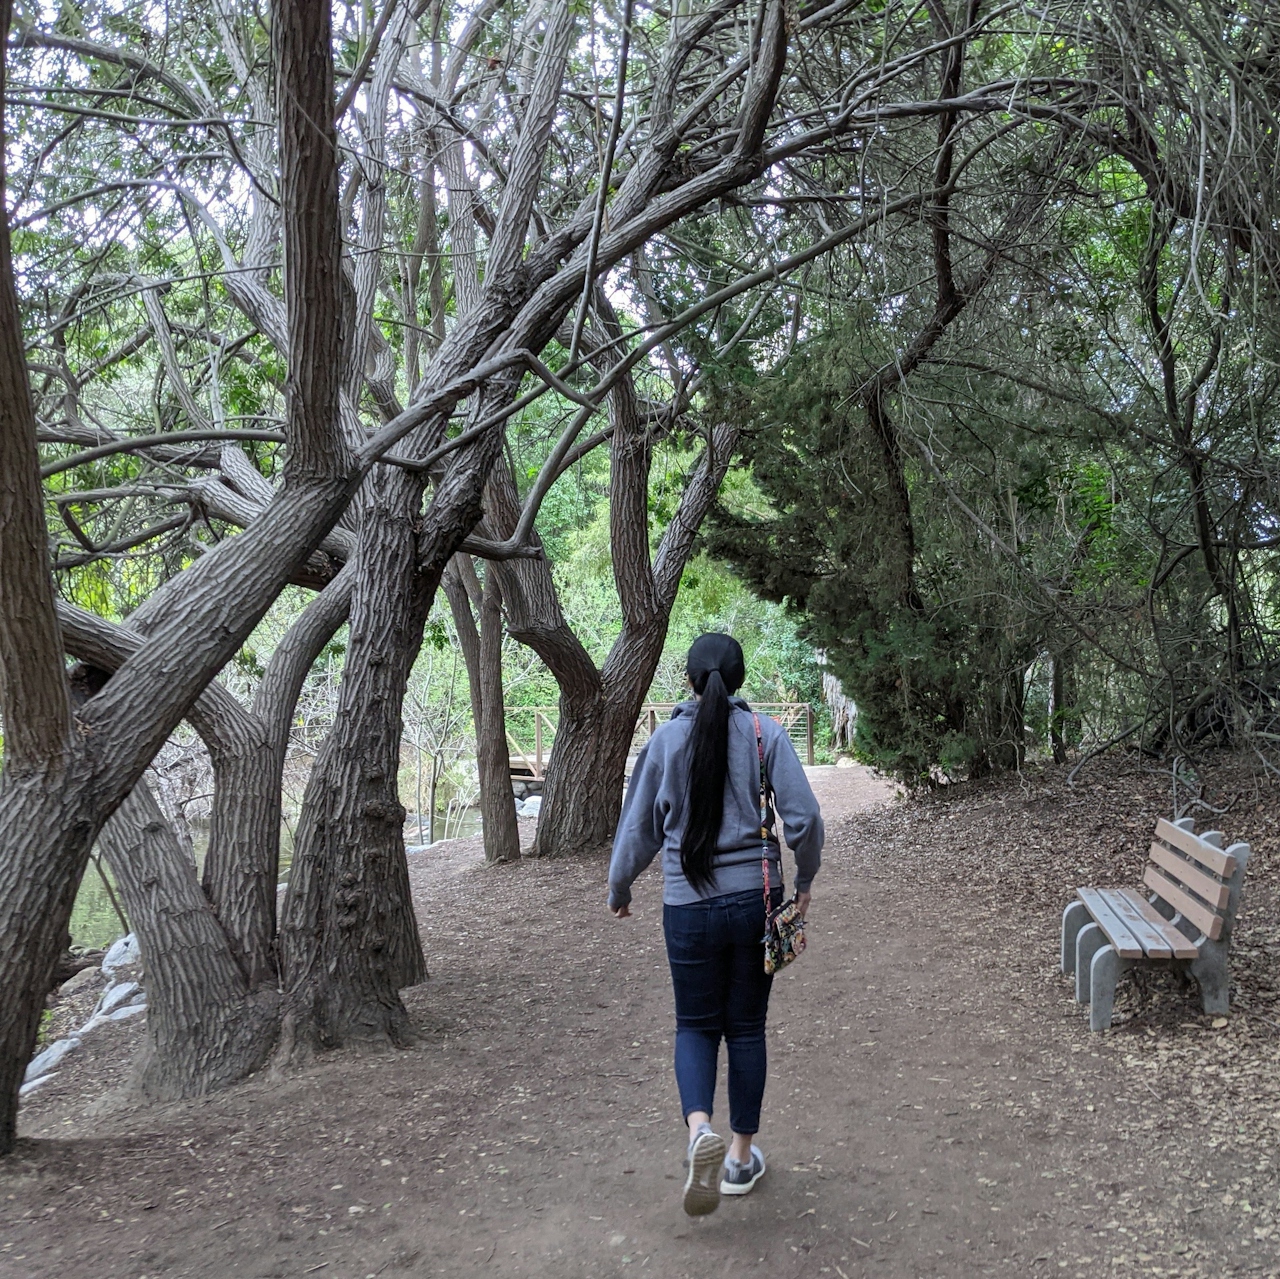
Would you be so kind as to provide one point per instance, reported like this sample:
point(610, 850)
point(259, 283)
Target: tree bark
point(301, 38)
point(47, 845)
point(497, 801)
point(242, 865)
point(482, 652)
point(33, 686)
point(582, 796)
point(1064, 728)
point(348, 938)
point(43, 844)
point(206, 1026)
point(211, 1029)
point(53, 806)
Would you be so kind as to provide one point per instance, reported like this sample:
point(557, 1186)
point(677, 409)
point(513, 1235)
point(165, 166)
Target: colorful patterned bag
point(784, 927)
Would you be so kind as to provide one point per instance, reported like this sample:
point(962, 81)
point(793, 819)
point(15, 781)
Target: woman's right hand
point(621, 912)
point(802, 903)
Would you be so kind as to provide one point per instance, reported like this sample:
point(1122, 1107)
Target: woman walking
point(695, 796)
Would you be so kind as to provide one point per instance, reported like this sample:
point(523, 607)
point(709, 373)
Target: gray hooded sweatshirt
point(653, 812)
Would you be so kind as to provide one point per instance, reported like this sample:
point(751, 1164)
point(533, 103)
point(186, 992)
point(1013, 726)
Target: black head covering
point(716, 652)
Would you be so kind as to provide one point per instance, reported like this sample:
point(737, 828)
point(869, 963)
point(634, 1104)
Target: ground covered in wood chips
point(937, 1105)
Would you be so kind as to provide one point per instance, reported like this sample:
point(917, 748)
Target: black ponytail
point(716, 670)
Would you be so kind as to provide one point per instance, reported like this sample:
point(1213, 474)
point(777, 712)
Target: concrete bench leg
point(1103, 974)
point(1210, 970)
point(1074, 919)
point(1089, 940)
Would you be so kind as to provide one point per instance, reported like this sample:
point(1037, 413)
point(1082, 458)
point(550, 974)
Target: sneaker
point(706, 1156)
point(739, 1178)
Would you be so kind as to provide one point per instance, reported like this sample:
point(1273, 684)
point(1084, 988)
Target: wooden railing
point(531, 731)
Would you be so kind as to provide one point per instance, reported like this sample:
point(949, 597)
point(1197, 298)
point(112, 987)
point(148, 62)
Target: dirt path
point(936, 1107)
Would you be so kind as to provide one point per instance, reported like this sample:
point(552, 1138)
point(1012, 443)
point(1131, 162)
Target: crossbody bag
point(784, 927)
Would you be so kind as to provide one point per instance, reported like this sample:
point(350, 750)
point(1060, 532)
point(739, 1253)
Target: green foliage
point(928, 640)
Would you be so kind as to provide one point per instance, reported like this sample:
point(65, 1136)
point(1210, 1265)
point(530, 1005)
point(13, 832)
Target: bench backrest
point(1195, 877)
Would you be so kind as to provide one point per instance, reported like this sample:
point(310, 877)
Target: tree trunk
point(1063, 717)
point(482, 652)
point(244, 844)
point(349, 941)
point(209, 1024)
point(43, 845)
point(206, 1026)
point(898, 549)
point(583, 793)
point(497, 801)
point(58, 787)
point(242, 865)
point(49, 843)
point(33, 687)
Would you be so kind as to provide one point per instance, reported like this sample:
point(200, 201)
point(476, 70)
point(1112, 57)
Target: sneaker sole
point(702, 1196)
point(740, 1187)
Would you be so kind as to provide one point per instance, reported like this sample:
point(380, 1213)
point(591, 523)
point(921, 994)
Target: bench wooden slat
point(1189, 875)
point(1177, 897)
point(1126, 944)
point(1152, 940)
point(1183, 840)
point(1181, 945)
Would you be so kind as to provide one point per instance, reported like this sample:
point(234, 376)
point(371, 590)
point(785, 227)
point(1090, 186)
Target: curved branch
point(135, 442)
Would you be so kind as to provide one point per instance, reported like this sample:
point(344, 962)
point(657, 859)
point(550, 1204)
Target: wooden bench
point(1185, 923)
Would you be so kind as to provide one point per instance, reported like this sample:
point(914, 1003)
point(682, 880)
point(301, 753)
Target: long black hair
point(716, 670)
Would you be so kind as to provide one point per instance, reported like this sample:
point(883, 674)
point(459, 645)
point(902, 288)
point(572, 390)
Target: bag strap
point(764, 815)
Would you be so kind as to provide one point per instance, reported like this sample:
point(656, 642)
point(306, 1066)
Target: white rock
point(37, 1083)
point(129, 1010)
point(531, 806)
point(82, 980)
point(43, 1063)
point(123, 951)
point(123, 992)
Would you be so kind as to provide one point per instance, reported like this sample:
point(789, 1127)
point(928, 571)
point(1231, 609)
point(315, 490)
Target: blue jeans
point(716, 953)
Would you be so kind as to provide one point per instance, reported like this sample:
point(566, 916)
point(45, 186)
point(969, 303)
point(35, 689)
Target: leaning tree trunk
point(58, 787)
point(51, 844)
point(535, 618)
point(244, 843)
point(44, 844)
point(583, 793)
point(242, 865)
point(482, 652)
point(210, 1024)
point(207, 1027)
point(349, 941)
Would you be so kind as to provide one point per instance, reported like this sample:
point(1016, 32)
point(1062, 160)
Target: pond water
point(458, 824)
point(95, 921)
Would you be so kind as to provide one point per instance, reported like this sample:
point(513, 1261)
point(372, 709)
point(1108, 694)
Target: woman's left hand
point(802, 903)
point(621, 912)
